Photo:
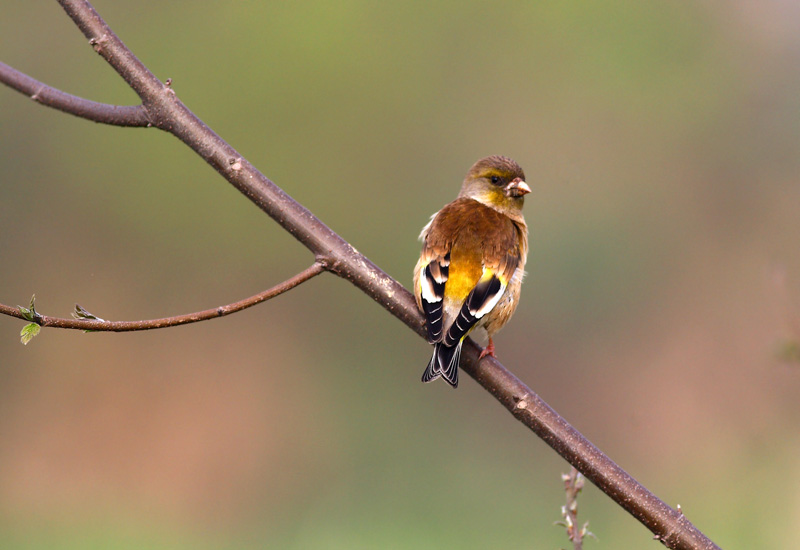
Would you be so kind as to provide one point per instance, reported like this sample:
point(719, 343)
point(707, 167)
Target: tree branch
point(118, 115)
point(101, 325)
point(170, 114)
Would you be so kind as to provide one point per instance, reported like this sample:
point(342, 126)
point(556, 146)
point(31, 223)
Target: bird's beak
point(518, 188)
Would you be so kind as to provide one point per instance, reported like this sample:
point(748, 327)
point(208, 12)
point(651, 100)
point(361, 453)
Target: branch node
point(327, 263)
point(35, 95)
point(235, 163)
point(98, 43)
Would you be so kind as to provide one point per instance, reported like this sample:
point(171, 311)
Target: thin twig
point(170, 114)
point(100, 325)
point(573, 485)
point(117, 115)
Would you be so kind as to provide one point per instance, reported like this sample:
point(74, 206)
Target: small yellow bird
point(470, 270)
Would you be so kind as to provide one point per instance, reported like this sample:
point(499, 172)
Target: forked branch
point(85, 321)
point(166, 111)
point(118, 115)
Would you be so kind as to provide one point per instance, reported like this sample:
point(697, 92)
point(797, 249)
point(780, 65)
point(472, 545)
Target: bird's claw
point(488, 350)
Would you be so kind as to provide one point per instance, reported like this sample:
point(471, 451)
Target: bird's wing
point(497, 273)
point(486, 248)
point(435, 270)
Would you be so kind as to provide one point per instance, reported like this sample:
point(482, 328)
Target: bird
point(469, 274)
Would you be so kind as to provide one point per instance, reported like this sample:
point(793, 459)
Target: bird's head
point(497, 182)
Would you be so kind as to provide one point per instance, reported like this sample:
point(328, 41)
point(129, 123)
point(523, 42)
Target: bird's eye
point(495, 179)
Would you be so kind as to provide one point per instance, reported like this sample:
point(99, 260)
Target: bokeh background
point(661, 140)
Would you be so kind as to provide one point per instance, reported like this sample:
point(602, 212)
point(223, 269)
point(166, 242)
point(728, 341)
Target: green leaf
point(29, 312)
point(80, 313)
point(28, 332)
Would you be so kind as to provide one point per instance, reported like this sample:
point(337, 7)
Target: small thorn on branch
point(35, 95)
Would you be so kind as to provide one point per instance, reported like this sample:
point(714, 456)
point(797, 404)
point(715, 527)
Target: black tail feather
point(444, 364)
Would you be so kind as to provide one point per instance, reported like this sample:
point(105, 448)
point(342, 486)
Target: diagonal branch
point(337, 255)
point(101, 325)
point(118, 115)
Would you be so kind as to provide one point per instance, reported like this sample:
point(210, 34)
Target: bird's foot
point(488, 350)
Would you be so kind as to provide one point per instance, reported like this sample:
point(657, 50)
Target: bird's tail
point(444, 363)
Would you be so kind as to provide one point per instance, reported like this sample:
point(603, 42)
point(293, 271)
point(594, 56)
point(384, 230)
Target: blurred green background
point(661, 141)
